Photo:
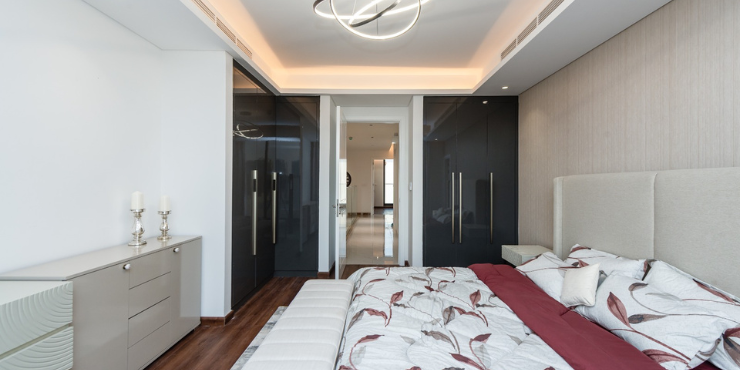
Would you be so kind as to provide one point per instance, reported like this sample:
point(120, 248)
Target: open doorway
point(372, 166)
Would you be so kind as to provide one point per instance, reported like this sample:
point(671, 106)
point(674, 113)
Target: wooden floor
point(218, 347)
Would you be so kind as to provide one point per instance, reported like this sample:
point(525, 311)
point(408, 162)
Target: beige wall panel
point(657, 109)
point(663, 94)
point(734, 11)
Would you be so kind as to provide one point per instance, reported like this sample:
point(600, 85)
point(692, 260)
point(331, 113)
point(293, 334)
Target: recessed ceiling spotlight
point(504, 87)
point(372, 137)
point(485, 102)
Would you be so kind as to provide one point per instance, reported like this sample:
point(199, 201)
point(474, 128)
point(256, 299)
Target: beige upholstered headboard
point(688, 218)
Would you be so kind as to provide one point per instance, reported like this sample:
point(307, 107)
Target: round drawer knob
point(176, 250)
point(127, 266)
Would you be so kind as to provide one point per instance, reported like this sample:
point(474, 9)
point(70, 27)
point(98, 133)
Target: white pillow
point(684, 286)
point(611, 264)
point(547, 271)
point(676, 334)
point(579, 286)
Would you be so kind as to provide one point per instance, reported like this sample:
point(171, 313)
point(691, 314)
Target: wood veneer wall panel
point(734, 11)
point(663, 94)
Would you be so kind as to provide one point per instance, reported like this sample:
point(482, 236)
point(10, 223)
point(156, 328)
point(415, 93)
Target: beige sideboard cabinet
point(130, 305)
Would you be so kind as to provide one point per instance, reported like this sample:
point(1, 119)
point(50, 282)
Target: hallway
point(371, 241)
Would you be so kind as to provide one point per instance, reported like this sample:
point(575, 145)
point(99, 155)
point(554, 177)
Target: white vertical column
point(417, 173)
point(325, 246)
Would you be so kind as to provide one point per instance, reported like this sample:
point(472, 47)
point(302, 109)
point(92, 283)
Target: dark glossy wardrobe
point(297, 166)
point(470, 179)
point(275, 142)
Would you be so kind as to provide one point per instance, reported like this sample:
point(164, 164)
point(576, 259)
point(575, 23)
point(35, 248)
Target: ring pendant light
point(360, 18)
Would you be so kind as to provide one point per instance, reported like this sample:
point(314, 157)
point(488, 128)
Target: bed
point(492, 317)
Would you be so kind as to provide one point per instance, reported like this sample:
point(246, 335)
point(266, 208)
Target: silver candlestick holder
point(138, 229)
point(164, 227)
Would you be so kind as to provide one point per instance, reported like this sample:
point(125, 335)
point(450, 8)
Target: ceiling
point(371, 136)
point(454, 49)
point(449, 34)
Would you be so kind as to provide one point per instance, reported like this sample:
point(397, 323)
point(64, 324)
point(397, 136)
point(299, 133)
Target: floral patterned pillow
point(684, 286)
point(548, 272)
point(677, 334)
point(611, 264)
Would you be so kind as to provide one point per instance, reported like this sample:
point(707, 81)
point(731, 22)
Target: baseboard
point(217, 321)
point(327, 275)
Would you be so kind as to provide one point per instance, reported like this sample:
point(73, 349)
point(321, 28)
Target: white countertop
point(72, 267)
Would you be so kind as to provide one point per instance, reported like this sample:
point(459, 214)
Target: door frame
point(410, 207)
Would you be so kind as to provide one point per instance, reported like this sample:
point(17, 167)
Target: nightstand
point(518, 254)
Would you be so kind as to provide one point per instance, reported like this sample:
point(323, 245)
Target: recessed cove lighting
point(504, 87)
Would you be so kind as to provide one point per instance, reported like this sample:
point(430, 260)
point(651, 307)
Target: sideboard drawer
point(148, 321)
point(148, 294)
point(149, 267)
point(142, 353)
point(51, 353)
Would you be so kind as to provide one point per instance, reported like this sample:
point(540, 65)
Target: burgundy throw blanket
point(583, 344)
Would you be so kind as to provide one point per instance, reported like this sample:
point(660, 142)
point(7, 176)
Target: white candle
point(137, 200)
point(164, 204)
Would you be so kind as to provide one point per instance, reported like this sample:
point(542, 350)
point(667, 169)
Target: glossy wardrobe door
point(470, 179)
point(264, 119)
point(472, 182)
point(296, 249)
point(242, 259)
point(503, 133)
point(440, 178)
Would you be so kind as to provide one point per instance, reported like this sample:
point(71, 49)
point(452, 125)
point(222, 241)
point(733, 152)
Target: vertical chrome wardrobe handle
point(459, 223)
point(452, 206)
point(490, 215)
point(254, 212)
point(274, 207)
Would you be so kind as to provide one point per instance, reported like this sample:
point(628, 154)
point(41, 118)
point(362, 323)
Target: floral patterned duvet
point(435, 319)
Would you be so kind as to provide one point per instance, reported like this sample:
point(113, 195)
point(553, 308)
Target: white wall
point(80, 115)
point(197, 161)
point(359, 165)
point(91, 112)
